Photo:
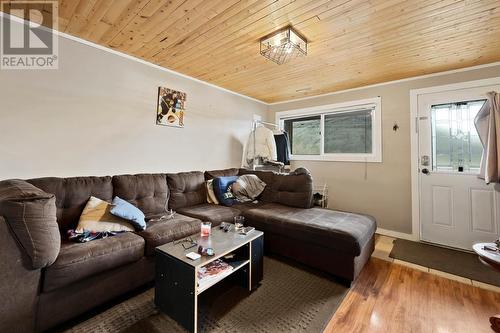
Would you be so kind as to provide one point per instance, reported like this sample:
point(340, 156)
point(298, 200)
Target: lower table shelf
point(236, 266)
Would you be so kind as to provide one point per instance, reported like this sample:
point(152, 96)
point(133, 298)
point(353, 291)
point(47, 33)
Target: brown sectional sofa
point(47, 280)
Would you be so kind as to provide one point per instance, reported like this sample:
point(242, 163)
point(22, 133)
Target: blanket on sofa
point(87, 236)
point(248, 187)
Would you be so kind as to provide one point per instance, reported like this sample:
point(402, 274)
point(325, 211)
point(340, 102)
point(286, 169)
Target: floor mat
point(451, 261)
point(290, 299)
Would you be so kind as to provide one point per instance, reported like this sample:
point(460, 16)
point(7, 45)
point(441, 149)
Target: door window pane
point(348, 132)
point(305, 135)
point(455, 142)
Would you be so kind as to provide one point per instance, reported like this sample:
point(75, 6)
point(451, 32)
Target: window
point(349, 132)
point(340, 132)
point(304, 134)
point(455, 142)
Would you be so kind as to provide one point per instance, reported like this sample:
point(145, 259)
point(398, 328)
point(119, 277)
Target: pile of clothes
point(228, 191)
point(267, 146)
point(87, 235)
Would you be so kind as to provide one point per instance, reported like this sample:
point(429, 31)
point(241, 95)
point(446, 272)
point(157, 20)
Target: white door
point(457, 208)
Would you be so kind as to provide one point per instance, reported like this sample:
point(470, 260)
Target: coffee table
point(176, 283)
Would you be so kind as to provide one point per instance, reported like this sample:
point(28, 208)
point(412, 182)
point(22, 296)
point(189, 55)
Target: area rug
point(290, 299)
point(451, 261)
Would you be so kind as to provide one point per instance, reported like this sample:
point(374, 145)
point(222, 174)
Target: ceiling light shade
point(283, 45)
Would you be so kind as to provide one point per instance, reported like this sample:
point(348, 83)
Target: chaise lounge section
point(336, 242)
point(47, 280)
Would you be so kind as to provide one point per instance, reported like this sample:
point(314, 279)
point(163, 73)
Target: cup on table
point(239, 222)
point(206, 228)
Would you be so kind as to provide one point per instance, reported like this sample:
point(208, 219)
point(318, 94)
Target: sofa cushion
point(148, 192)
point(72, 195)
point(77, 261)
point(244, 206)
point(295, 190)
point(345, 232)
point(31, 214)
point(159, 232)
point(186, 189)
point(221, 173)
point(209, 212)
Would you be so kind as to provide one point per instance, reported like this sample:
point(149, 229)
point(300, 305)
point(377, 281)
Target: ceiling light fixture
point(283, 45)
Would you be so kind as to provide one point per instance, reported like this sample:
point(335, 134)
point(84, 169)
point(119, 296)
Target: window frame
point(374, 157)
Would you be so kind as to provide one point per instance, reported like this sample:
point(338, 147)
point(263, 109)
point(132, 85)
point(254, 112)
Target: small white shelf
point(323, 190)
point(236, 266)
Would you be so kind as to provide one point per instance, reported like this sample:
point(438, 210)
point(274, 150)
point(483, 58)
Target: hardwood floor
point(389, 297)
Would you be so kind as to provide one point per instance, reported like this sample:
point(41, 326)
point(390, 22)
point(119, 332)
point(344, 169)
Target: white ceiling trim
point(130, 57)
point(452, 71)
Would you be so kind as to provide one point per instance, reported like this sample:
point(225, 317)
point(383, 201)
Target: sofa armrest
point(31, 215)
point(20, 284)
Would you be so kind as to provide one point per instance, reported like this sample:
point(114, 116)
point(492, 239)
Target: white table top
point(222, 243)
point(487, 254)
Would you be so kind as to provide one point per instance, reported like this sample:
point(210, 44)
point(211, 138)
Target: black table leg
point(175, 291)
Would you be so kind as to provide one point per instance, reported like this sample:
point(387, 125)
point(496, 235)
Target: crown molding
point(133, 58)
point(452, 71)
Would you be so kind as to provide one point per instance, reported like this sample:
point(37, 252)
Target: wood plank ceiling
point(352, 42)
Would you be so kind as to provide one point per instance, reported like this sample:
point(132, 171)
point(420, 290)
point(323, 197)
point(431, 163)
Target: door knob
point(425, 171)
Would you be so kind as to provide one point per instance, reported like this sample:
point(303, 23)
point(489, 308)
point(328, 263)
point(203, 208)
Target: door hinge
point(417, 121)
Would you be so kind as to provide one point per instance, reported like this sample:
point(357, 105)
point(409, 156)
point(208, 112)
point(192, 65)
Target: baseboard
point(395, 234)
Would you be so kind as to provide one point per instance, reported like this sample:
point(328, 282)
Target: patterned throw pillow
point(96, 216)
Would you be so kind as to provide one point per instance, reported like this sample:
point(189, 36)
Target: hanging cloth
point(487, 124)
point(282, 147)
point(265, 146)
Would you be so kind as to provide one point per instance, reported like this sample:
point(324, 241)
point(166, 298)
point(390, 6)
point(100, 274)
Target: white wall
point(385, 193)
point(96, 115)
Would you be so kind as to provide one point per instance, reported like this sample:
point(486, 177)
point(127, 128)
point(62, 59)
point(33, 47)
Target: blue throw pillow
point(222, 191)
point(129, 212)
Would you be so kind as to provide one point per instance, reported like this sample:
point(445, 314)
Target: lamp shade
point(283, 45)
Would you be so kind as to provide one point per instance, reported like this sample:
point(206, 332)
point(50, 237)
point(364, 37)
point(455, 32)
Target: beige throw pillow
point(96, 217)
point(211, 198)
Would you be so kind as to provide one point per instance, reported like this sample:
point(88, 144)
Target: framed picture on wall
point(170, 108)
